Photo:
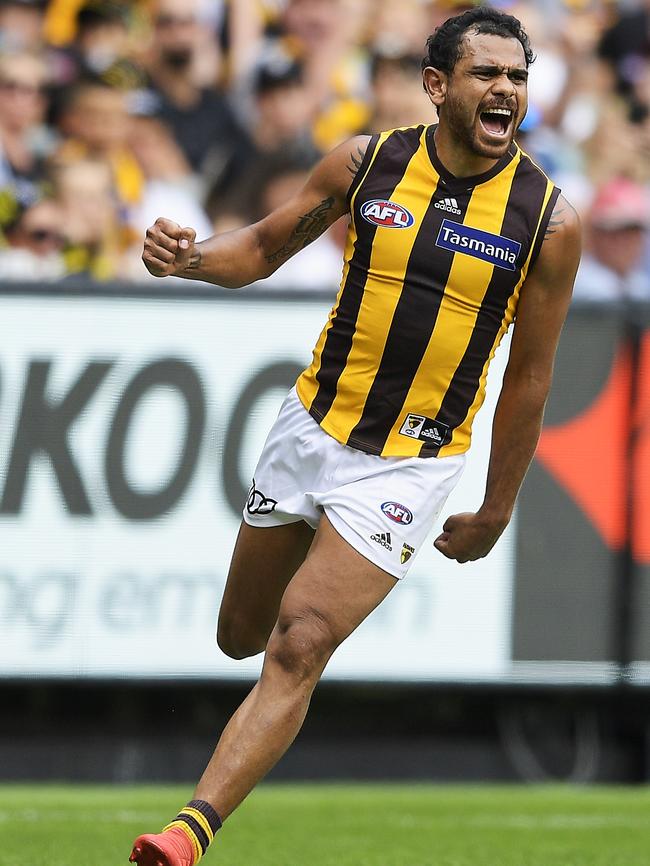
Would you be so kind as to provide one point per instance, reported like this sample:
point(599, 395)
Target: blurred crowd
point(211, 112)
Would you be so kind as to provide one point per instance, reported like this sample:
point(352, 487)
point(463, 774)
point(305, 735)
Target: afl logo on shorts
point(396, 512)
point(386, 214)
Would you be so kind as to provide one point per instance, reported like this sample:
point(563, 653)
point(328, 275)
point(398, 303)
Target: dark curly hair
point(444, 46)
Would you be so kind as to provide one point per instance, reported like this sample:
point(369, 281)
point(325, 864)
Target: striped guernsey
point(431, 279)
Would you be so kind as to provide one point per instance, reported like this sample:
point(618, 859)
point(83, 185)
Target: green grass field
point(340, 825)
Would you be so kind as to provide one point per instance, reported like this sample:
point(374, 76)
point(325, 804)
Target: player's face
point(486, 95)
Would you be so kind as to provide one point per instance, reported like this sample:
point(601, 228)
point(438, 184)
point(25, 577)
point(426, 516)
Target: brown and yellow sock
point(199, 822)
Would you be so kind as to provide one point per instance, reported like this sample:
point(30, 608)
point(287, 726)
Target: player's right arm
point(240, 257)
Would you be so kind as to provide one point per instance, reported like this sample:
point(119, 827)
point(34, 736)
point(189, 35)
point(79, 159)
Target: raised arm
point(543, 304)
point(237, 258)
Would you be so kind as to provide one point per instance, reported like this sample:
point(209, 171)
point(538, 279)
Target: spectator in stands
point(644, 142)
point(641, 96)
point(199, 116)
point(297, 76)
point(359, 17)
point(398, 25)
point(617, 229)
point(35, 244)
point(105, 46)
point(102, 36)
point(626, 45)
point(169, 183)
point(279, 121)
point(24, 139)
point(96, 124)
point(97, 240)
point(282, 111)
point(397, 100)
point(321, 38)
point(615, 147)
point(21, 25)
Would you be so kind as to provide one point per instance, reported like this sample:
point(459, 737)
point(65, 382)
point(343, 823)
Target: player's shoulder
point(356, 150)
point(563, 213)
point(561, 246)
point(341, 165)
point(350, 150)
point(396, 145)
point(564, 221)
point(359, 145)
point(398, 137)
point(344, 166)
point(530, 167)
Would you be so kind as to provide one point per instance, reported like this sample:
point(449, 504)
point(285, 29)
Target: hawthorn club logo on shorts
point(397, 513)
point(258, 503)
point(407, 553)
point(387, 214)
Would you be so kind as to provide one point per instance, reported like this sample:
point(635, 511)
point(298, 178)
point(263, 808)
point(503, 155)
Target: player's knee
point(301, 645)
point(237, 640)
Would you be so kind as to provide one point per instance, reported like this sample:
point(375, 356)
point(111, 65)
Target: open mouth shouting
point(497, 122)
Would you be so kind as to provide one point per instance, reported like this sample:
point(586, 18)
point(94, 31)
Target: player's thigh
point(263, 562)
point(329, 596)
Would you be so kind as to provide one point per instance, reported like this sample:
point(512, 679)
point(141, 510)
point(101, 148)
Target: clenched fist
point(169, 250)
point(468, 536)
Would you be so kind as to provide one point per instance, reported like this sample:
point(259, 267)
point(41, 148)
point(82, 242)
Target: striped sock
point(199, 822)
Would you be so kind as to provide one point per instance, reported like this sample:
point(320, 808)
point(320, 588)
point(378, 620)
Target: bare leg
point(329, 596)
point(263, 563)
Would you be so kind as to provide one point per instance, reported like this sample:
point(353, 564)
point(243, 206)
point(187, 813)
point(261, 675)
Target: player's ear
point(435, 85)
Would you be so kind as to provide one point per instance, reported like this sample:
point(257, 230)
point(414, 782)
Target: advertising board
point(130, 431)
point(130, 426)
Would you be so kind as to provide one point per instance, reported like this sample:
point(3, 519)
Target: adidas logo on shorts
point(382, 538)
point(448, 204)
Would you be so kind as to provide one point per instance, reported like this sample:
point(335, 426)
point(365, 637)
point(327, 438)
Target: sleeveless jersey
point(432, 271)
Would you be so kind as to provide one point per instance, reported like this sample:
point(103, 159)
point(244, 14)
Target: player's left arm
point(543, 304)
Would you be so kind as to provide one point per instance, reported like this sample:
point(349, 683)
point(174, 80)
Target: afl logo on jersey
point(396, 512)
point(386, 214)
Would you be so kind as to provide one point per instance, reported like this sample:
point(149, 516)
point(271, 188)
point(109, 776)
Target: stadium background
point(132, 410)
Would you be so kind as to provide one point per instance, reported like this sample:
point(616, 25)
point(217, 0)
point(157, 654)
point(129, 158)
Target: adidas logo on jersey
point(426, 429)
point(382, 538)
point(448, 204)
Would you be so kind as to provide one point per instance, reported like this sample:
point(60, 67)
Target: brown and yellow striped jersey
point(432, 271)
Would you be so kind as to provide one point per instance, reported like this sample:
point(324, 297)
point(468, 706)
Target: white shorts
point(383, 506)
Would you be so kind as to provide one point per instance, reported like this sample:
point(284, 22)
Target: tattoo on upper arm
point(561, 212)
point(310, 226)
point(356, 159)
point(556, 220)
